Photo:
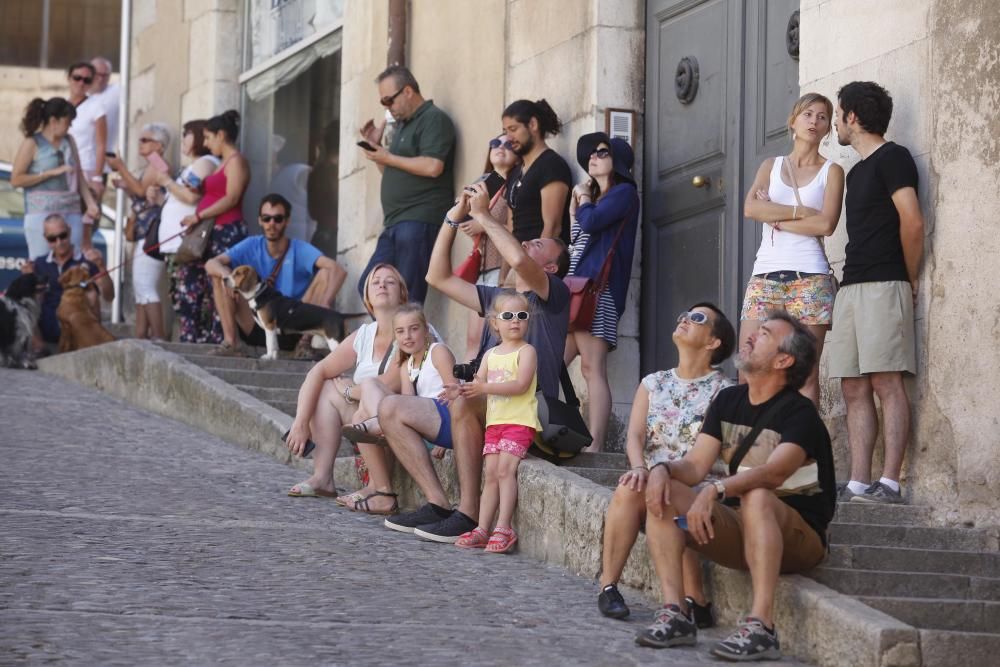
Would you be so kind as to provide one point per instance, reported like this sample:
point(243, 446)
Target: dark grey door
point(717, 85)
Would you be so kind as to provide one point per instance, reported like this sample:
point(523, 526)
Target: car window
point(11, 201)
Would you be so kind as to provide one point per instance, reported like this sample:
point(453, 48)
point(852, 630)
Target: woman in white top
point(327, 400)
point(798, 199)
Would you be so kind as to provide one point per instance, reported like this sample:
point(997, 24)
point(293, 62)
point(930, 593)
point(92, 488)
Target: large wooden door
point(719, 84)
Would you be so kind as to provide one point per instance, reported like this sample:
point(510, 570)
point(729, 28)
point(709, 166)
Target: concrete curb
point(560, 515)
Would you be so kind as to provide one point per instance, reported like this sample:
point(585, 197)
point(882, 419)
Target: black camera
point(466, 372)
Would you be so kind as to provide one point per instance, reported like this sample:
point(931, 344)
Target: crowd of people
point(738, 474)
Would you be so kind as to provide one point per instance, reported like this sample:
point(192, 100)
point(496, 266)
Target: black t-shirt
point(811, 491)
point(524, 195)
point(874, 250)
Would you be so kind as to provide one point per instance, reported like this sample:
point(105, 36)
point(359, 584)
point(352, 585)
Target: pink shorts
point(511, 438)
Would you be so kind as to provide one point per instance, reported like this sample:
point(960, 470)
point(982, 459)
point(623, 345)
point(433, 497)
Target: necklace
point(415, 373)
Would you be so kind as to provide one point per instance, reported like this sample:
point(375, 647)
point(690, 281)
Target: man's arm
point(421, 165)
point(689, 470)
point(337, 277)
point(911, 232)
point(218, 266)
point(553, 204)
point(440, 276)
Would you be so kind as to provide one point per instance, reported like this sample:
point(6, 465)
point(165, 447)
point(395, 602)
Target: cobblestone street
point(128, 538)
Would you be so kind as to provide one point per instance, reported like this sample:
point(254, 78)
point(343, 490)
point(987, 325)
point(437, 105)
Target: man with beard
point(417, 182)
point(304, 272)
point(538, 189)
point(780, 466)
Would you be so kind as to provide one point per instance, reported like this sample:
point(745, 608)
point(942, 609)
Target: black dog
point(19, 311)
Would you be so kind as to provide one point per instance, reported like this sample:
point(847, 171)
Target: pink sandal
point(477, 538)
point(502, 541)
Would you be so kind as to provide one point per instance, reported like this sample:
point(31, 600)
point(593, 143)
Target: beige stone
point(536, 27)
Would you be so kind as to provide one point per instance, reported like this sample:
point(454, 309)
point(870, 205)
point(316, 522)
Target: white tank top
point(788, 251)
point(429, 383)
point(364, 347)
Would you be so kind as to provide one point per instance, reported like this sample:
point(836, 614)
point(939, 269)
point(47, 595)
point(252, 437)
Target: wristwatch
point(720, 489)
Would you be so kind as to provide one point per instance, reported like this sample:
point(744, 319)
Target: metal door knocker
point(686, 79)
point(792, 35)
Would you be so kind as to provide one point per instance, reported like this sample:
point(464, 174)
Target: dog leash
point(90, 281)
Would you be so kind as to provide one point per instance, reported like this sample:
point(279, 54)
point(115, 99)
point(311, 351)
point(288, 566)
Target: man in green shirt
point(417, 177)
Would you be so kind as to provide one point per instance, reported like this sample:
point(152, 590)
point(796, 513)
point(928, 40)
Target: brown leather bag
point(195, 242)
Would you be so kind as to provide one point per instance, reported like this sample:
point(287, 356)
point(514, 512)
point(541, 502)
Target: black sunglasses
point(61, 236)
point(600, 153)
point(86, 79)
point(145, 140)
point(497, 143)
point(278, 219)
point(387, 101)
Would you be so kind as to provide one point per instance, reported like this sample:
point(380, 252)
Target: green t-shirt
point(428, 133)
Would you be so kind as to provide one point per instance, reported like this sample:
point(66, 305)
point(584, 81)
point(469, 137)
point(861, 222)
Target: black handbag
point(564, 434)
point(151, 243)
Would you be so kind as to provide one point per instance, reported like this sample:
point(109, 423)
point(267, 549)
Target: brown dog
point(80, 328)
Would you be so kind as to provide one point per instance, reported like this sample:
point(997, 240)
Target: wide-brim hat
point(622, 156)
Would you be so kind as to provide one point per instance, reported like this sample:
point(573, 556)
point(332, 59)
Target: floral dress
point(676, 411)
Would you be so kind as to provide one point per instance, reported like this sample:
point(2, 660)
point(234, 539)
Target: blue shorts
point(443, 438)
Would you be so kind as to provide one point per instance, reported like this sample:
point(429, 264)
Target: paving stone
point(128, 538)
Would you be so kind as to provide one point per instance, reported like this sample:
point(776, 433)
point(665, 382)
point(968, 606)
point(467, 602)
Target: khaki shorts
point(872, 330)
point(802, 549)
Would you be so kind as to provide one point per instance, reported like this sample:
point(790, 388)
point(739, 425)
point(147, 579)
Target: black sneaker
point(405, 523)
point(611, 603)
point(879, 493)
point(446, 530)
point(751, 642)
point(704, 616)
point(670, 628)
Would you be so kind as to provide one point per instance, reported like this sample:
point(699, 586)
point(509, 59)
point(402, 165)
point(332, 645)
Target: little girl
point(507, 378)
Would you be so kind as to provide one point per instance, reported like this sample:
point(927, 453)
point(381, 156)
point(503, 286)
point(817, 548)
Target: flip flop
point(359, 432)
point(362, 504)
point(348, 500)
point(305, 490)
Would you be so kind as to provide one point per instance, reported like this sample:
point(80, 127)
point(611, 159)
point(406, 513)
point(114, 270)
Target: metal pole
point(43, 60)
point(396, 53)
point(123, 120)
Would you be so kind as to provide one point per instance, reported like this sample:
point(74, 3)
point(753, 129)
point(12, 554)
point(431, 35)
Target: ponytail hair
point(227, 122)
point(39, 112)
point(524, 110)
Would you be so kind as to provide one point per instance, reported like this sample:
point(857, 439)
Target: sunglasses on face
point(145, 140)
point(389, 99)
point(508, 315)
point(497, 143)
point(277, 219)
point(694, 317)
point(61, 236)
point(86, 79)
point(600, 153)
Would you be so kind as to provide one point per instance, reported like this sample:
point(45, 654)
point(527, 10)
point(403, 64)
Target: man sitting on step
point(304, 273)
point(780, 461)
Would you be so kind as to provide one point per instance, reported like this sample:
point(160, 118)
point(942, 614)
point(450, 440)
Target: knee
point(388, 411)
point(757, 503)
point(887, 384)
point(856, 389)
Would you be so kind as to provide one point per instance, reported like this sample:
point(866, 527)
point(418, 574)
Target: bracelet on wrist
point(640, 468)
point(451, 223)
point(665, 464)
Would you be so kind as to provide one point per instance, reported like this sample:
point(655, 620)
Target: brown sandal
point(362, 504)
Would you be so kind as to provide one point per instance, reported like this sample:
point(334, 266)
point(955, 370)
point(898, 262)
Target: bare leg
point(764, 518)
point(404, 420)
point(747, 328)
point(491, 493)
point(896, 418)
point(154, 315)
point(372, 393)
point(594, 361)
point(227, 312)
point(811, 388)
point(862, 425)
point(507, 480)
point(570, 351)
point(324, 287)
point(667, 543)
point(694, 586)
point(325, 427)
point(141, 326)
point(621, 527)
point(379, 461)
point(473, 334)
point(467, 427)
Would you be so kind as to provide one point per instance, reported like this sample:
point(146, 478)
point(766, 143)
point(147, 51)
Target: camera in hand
point(466, 372)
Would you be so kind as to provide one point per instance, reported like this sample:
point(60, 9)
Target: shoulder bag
point(195, 242)
point(564, 434)
point(758, 425)
point(819, 239)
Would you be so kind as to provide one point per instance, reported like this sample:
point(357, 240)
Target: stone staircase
point(944, 581)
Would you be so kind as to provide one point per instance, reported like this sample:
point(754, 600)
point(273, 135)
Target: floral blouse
point(676, 411)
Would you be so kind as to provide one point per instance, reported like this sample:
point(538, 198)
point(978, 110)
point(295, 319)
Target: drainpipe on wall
point(397, 33)
point(123, 73)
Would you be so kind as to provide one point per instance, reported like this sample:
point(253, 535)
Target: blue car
point(13, 247)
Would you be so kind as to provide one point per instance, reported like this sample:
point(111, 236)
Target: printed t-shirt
point(524, 195)
point(874, 250)
point(546, 330)
point(810, 491)
point(296, 273)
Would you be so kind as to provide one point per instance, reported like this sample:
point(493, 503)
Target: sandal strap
point(362, 504)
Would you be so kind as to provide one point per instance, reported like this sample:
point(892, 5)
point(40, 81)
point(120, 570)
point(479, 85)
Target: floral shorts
point(511, 438)
point(808, 298)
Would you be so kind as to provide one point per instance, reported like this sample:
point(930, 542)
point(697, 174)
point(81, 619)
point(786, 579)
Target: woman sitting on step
point(667, 413)
point(328, 400)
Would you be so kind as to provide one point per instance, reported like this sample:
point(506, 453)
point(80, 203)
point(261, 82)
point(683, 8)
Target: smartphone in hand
point(310, 445)
point(157, 162)
point(367, 146)
point(682, 521)
point(494, 182)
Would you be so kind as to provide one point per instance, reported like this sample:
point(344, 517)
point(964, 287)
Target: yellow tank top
point(521, 409)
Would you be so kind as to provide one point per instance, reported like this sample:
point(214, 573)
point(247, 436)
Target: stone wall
point(20, 85)
point(939, 61)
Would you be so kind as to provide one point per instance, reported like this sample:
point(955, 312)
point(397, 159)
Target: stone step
point(973, 563)
point(247, 364)
point(942, 648)
point(288, 407)
point(891, 515)
point(275, 379)
point(203, 348)
point(876, 583)
point(936, 614)
point(269, 394)
point(611, 460)
point(913, 537)
point(603, 476)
